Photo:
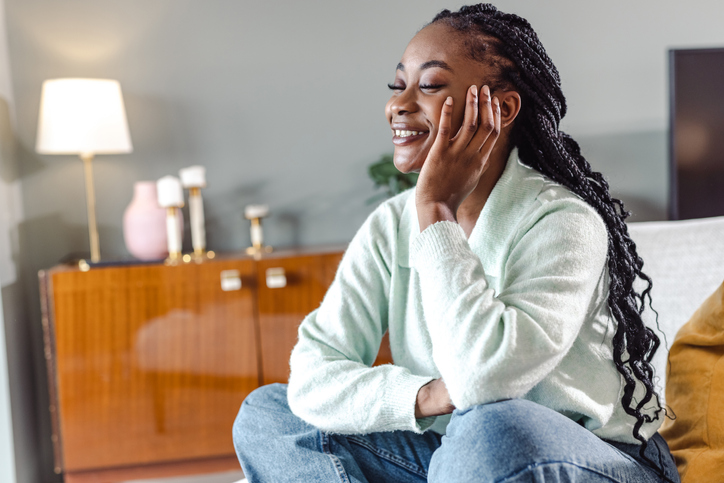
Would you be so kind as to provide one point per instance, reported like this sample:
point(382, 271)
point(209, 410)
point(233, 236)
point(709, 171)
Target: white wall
point(9, 217)
point(283, 100)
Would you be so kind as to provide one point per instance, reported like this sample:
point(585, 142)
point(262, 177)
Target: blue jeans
point(510, 441)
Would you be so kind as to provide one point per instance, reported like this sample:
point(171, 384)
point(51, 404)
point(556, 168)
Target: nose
point(403, 103)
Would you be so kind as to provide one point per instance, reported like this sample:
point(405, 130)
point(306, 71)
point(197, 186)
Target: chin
point(406, 167)
point(406, 163)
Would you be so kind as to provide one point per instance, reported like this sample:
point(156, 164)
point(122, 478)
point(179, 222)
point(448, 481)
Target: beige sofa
point(685, 260)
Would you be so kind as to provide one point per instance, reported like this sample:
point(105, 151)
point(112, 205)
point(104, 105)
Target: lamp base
point(90, 197)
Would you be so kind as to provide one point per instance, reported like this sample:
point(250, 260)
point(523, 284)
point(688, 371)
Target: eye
point(431, 87)
point(396, 87)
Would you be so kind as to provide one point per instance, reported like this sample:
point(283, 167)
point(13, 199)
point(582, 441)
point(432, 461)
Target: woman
point(504, 280)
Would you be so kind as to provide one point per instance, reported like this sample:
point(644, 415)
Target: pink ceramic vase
point(144, 223)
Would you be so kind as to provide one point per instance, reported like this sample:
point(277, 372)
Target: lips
point(403, 135)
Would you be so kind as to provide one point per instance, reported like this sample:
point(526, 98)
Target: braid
point(509, 43)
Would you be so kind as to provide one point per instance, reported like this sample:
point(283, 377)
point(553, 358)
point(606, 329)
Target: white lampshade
point(82, 116)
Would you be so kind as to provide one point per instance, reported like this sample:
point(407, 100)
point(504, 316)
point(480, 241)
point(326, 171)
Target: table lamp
point(84, 117)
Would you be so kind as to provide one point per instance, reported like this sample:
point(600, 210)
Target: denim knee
point(251, 421)
point(510, 429)
point(271, 396)
point(497, 440)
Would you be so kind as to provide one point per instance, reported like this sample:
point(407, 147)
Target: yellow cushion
point(695, 393)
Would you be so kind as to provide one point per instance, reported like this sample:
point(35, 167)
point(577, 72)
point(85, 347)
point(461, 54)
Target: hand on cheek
point(459, 106)
point(458, 112)
point(458, 157)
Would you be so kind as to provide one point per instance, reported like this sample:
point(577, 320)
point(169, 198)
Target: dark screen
point(697, 130)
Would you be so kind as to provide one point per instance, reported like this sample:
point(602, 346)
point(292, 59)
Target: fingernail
point(487, 91)
point(448, 101)
point(474, 89)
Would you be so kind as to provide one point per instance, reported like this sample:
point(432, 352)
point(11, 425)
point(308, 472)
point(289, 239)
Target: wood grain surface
point(148, 364)
point(155, 470)
point(282, 309)
point(152, 362)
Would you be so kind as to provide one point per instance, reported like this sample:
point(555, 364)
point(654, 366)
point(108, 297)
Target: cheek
point(435, 111)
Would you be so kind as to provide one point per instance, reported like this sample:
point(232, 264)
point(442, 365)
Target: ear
point(509, 106)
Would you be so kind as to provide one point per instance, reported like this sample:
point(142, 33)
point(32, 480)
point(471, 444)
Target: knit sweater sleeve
point(490, 346)
point(332, 385)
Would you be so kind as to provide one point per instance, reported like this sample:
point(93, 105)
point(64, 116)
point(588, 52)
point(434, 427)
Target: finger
point(487, 120)
point(487, 147)
point(470, 119)
point(443, 131)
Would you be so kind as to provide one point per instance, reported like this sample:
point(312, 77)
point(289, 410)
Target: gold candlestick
point(255, 213)
point(173, 233)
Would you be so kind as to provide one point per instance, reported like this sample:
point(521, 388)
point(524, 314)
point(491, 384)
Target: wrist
point(429, 213)
point(433, 400)
point(421, 402)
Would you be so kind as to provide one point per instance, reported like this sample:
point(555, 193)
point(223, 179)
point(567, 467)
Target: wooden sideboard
point(148, 364)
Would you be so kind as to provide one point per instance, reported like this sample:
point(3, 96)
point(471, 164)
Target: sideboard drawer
point(151, 362)
point(282, 308)
point(148, 364)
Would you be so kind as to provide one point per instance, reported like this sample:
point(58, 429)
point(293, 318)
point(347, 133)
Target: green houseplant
point(385, 175)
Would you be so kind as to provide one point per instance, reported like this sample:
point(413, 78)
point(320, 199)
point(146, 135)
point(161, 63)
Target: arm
point(332, 385)
point(489, 347)
point(486, 346)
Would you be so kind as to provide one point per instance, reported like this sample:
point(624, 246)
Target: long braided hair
point(511, 47)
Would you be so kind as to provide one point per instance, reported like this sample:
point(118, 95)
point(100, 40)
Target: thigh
point(395, 456)
point(273, 445)
point(520, 441)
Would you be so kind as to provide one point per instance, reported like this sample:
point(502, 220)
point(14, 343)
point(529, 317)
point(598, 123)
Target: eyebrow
point(429, 64)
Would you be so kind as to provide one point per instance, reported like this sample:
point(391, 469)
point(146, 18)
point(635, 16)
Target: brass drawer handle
point(275, 277)
point(230, 280)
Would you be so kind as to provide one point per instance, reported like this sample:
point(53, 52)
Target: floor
point(228, 477)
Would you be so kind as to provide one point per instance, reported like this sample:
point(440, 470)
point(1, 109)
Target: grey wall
point(283, 102)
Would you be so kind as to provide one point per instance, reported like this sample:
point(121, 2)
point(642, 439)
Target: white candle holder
point(255, 213)
point(170, 196)
point(193, 178)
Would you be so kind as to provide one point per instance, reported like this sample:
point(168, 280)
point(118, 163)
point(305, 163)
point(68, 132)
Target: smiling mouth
point(402, 136)
point(401, 133)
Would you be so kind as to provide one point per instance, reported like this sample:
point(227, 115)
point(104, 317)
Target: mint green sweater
point(518, 310)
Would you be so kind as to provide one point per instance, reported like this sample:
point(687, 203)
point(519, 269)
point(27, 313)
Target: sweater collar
point(510, 199)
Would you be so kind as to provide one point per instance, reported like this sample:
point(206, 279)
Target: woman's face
point(433, 67)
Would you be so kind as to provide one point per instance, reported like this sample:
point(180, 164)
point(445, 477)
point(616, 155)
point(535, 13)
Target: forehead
point(436, 42)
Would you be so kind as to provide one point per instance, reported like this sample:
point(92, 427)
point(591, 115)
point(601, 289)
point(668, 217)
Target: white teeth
point(404, 133)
